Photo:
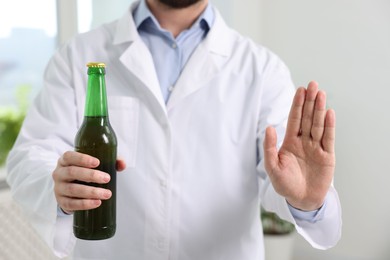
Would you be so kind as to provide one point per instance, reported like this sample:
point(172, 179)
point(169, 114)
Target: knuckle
point(84, 159)
point(71, 190)
point(317, 124)
point(85, 204)
point(93, 175)
point(67, 155)
point(72, 172)
point(54, 175)
point(94, 193)
point(307, 117)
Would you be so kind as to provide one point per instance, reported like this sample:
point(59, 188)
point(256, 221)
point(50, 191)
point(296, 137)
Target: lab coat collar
point(203, 65)
point(217, 40)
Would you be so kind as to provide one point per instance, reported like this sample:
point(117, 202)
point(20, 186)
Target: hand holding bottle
point(71, 196)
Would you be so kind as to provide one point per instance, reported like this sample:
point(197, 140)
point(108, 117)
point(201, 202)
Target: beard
point(179, 3)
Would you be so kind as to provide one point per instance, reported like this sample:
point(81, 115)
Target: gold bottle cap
point(96, 65)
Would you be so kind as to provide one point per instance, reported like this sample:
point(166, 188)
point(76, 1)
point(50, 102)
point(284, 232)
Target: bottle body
point(97, 138)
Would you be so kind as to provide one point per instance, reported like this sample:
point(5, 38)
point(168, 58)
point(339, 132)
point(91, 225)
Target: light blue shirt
point(171, 54)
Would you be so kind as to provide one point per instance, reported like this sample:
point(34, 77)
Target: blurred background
point(342, 44)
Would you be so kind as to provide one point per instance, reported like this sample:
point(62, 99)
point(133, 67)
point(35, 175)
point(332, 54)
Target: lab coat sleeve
point(47, 132)
point(277, 95)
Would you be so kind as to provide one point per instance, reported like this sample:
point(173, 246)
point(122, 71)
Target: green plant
point(11, 119)
point(273, 225)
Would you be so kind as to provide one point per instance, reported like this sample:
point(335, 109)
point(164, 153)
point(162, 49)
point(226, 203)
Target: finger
point(81, 191)
point(76, 173)
point(308, 108)
point(328, 140)
point(270, 150)
point(120, 164)
point(78, 159)
point(295, 116)
point(317, 129)
point(70, 204)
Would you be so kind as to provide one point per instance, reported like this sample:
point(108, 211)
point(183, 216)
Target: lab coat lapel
point(205, 63)
point(201, 67)
point(137, 58)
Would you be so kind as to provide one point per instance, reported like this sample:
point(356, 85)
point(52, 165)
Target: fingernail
point(107, 194)
point(106, 177)
point(95, 162)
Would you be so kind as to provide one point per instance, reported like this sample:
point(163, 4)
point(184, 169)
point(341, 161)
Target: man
point(201, 116)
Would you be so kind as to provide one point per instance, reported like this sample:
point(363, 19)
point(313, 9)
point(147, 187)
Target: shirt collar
point(143, 14)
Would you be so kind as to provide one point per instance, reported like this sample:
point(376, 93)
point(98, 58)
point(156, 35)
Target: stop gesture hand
point(303, 168)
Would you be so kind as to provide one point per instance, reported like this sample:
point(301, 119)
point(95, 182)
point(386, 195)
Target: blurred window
point(27, 40)
point(30, 32)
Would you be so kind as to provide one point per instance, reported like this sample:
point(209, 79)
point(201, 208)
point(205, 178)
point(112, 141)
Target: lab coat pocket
point(124, 117)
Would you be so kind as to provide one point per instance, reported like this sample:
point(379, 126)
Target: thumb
point(270, 150)
point(120, 164)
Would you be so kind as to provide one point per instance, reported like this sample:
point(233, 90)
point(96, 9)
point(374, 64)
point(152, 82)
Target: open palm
point(303, 168)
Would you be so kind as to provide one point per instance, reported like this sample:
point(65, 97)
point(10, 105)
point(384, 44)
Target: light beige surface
point(18, 240)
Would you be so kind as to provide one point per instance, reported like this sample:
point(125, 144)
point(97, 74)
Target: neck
point(176, 20)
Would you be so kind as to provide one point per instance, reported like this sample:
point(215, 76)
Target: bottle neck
point(96, 120)
point(96, 100)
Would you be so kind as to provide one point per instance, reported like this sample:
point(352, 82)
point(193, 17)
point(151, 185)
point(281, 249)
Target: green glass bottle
point(97, 138)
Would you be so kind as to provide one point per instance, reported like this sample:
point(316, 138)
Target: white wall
point(107, 11)
point(345, 46)
point(242, 15)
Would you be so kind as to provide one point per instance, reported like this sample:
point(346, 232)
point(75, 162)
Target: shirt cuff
point(61, 213)
point(309, 216)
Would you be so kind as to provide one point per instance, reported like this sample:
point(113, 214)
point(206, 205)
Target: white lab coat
point(193, 183)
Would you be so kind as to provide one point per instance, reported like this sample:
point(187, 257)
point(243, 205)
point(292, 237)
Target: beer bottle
point(97, 138)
